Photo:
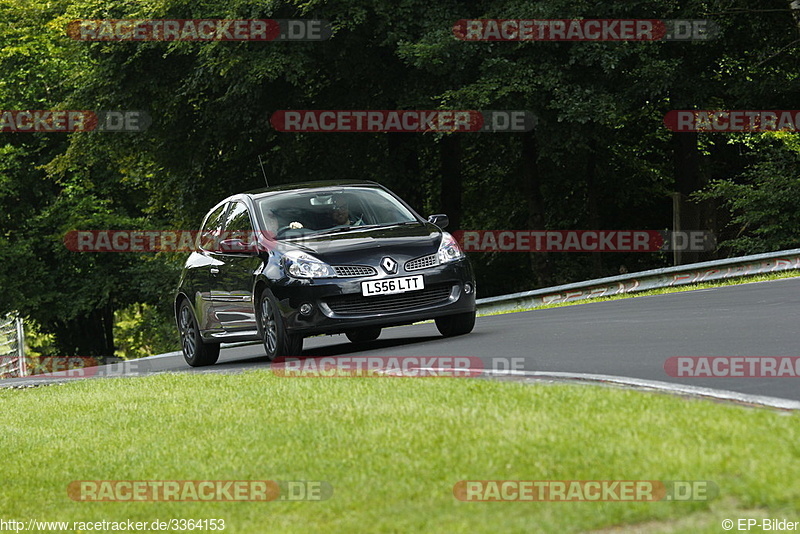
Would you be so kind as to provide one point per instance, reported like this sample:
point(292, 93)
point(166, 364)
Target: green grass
point(392, 448)
point(661, 291)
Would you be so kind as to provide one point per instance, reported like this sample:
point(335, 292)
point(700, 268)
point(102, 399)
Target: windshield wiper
point(364, 227)
point(337, 230)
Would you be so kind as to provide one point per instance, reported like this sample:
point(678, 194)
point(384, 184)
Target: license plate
point(392, 285)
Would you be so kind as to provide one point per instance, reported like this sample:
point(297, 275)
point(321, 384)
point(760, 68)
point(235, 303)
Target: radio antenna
point(262, 170)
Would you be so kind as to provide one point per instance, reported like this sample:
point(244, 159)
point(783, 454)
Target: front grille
point(421, 263)
point(354, 270)
point(361, 305)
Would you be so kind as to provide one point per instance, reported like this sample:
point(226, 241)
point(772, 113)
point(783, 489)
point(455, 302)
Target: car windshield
point(296, 214)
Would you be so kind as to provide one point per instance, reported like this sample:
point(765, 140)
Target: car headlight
point(449, 249)
point(302, 265)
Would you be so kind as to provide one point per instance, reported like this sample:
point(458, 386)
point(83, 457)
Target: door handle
point(214, 270)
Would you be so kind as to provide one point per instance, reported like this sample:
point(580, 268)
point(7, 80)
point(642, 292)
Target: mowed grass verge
point(392, 448)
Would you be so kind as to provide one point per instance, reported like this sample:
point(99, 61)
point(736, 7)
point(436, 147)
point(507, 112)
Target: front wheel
point(196, 352)
point(277, 341)
point(456, 325)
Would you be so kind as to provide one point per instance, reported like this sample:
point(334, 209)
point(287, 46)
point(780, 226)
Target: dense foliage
point(599, 158)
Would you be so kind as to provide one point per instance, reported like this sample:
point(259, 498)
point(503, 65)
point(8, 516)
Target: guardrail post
point(21, 348)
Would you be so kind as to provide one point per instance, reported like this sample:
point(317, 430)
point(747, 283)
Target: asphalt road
point(631, 338)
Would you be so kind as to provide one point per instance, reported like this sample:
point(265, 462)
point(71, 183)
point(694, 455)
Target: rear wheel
point(277, 341)
point(196, 352)
point(362, 335)
point(456, 325)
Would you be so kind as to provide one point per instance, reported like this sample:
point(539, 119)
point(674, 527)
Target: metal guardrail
point(785, 260)
point(12, 347)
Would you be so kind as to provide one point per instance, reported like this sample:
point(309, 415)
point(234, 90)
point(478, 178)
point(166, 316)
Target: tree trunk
point(404, 166)
point(90, 335)
point(592, 192)
point(687, 181)
point(452, 186)
point(532, 180)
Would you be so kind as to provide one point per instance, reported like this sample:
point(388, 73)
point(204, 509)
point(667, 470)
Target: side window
point(238, 221)
point(212, 228)
point(238, 225)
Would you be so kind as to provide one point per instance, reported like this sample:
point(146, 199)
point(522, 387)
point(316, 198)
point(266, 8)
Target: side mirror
point(440, 220)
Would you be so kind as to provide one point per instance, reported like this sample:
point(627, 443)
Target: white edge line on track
point(639, 383)
point(179, 353)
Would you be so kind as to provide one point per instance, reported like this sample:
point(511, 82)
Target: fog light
point(467, 288)
point(306, 309)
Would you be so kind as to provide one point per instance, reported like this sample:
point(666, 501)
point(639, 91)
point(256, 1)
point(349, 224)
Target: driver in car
point(341, 213)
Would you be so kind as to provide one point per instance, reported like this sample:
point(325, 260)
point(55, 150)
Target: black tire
point(456, 325)
point(277, 341)
point(362, 335)
point(196, 352)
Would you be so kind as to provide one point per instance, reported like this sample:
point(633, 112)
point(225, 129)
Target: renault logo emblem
point(389, 265)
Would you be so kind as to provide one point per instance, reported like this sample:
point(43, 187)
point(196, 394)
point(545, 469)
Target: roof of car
point(310, 185)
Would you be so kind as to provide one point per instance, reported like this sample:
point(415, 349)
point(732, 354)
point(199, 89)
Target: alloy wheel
point(188, 333)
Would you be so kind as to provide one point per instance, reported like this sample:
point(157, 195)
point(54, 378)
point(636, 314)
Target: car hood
point(368, 246)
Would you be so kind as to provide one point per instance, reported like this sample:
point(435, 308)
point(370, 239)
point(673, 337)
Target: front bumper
point(337, 304)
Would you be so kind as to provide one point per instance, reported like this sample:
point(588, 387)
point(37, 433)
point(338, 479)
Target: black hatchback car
point(283, 263)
